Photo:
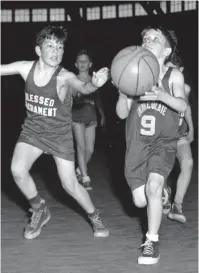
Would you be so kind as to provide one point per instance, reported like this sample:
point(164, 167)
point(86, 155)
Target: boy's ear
point(38, 50)
point(90, 65)
point(168, 51)
point(76, 65)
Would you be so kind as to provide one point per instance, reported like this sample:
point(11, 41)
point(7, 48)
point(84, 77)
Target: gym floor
point(67, 245)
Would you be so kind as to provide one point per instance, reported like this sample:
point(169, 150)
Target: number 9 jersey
point(152, 131)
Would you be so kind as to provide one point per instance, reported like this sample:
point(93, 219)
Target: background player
point(84, 118)
point(151, 136)
point(185, 159)
point(47, 127)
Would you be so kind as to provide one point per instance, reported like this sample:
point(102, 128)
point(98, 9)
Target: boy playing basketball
point(47, 127)
point(185, 159)
point(151, 136)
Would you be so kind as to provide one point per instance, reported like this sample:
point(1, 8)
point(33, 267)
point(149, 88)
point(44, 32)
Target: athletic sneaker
point(98, 226)
point(150, 253)
point(86, 183)
point(166, 200)
point(176, 214)
point(39, 218)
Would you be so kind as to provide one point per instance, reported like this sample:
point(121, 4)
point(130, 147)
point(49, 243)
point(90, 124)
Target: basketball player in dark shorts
point(152, 134)
point(48, 126)
point(184, 156)
point(85, 119)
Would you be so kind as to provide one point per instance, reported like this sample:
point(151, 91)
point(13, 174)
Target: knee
point(139, 201)
point(18, 171)
point(139, 198)
point(154, 187)
point(70, 184)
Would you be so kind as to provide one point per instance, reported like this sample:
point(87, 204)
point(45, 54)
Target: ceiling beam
point(150, 6)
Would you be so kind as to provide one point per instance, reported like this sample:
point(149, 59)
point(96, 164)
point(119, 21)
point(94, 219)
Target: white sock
point(153, 238)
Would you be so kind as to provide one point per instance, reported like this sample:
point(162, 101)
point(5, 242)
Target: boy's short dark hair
point(84, 52)
point(171, 38)
point(59, 33)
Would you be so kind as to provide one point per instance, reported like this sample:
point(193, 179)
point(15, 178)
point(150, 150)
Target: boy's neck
point(44, 68)
point(83, 75)
point(163, 67)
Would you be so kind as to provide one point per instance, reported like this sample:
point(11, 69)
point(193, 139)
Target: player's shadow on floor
point(119, 186)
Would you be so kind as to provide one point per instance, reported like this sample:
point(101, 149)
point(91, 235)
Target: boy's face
point(51, 52)
point(154, 41)
point(83, 63)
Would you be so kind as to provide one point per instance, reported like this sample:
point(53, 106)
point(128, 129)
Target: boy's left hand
point(100, 77)
point(154, 94)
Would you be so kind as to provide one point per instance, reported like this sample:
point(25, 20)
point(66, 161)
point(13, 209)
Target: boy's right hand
point(122, 95)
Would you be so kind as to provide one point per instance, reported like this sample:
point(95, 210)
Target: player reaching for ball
point(47, 127)
point(152, 127)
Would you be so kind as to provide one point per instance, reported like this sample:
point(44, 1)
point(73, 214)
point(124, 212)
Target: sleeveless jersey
point(152, 121)
point(48, 118)
point(83, 109)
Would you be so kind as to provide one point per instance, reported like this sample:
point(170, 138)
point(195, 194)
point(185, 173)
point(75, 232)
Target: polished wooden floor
point(67, 245)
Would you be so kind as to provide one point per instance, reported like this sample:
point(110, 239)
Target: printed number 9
point(148, 124)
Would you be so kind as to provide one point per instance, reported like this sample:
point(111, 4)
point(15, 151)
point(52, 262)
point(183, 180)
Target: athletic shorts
point(87, 124)
point(146, 158)
point(183, 131)
point(62, 149)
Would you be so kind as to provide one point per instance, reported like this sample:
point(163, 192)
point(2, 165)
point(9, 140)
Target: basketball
point(134, 70)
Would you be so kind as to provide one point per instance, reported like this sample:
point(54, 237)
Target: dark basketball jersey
point(152, 131)
point(152, 120)
point(83, 109)
point(48, 118)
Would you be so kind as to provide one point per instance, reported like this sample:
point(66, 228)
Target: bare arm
point(123, 106)
point(188, 118)
point(21, 67)
point(98, 79)
point(178, 102)
point(81, 87)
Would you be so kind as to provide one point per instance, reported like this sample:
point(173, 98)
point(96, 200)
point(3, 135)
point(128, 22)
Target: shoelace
point(36, 216)
point(148, 248)
point(98, 222)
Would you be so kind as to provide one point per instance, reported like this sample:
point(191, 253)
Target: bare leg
point(22, 161)
point(66, 171)
point(184, 156)
point(154, 188)
point(23, 158)
point(139, 197)
point(79, 134)
point(90, 142)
